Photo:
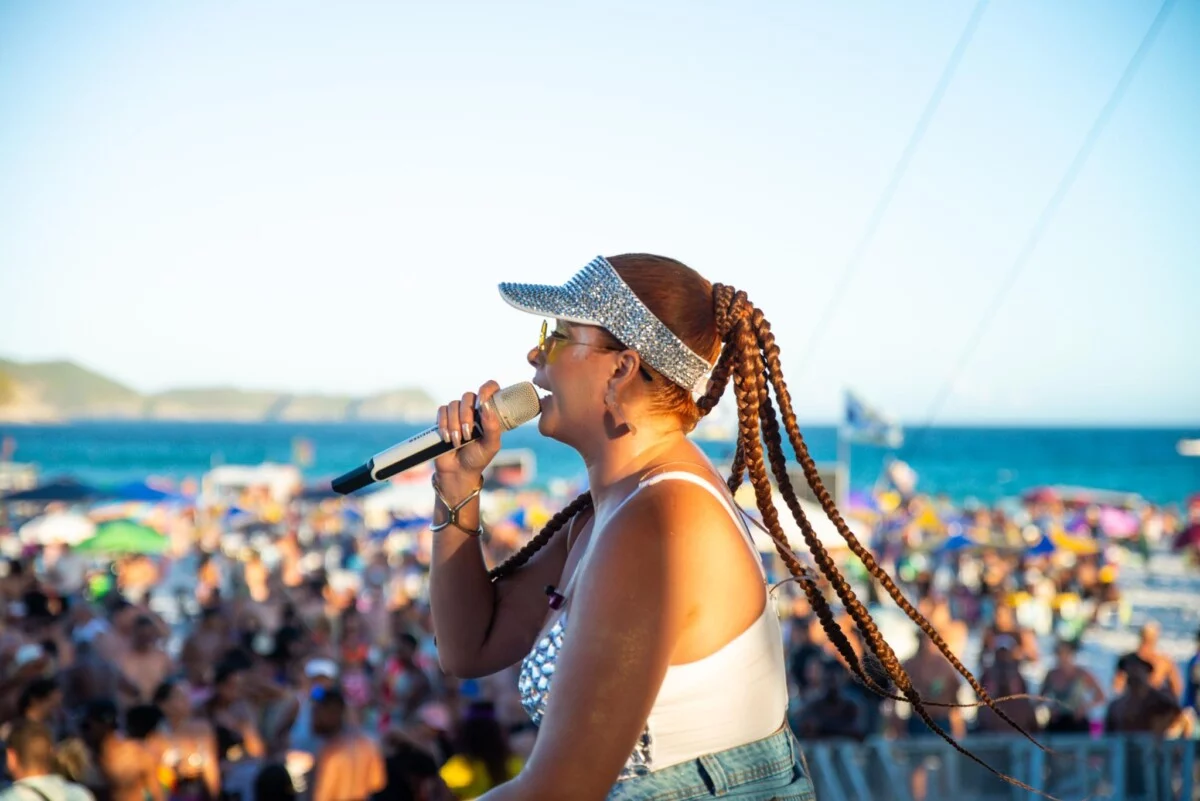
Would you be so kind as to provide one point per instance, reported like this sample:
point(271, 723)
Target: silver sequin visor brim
point(551, 301)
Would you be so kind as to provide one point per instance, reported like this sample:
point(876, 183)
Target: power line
point(1039, 227)
point(885, 200)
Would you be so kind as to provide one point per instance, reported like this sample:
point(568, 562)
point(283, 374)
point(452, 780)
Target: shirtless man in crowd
point(349, 764)
point(145, 665)
point(204, 647)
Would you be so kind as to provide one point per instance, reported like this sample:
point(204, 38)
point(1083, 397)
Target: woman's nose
point(534, 357)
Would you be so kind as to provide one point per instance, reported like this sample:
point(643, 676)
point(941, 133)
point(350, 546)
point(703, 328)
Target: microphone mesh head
point(517, 405)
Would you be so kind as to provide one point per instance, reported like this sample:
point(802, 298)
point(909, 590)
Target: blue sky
point(322, 197)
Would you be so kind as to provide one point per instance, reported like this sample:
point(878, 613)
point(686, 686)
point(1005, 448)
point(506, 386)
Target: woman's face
point(574, 364)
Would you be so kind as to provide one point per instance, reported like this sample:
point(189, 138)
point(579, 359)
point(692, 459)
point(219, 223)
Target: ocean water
point(983, 463)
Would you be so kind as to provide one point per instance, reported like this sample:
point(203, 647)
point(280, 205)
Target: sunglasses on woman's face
point(550, 343)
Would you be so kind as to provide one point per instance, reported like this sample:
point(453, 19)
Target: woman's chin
point(548, 420)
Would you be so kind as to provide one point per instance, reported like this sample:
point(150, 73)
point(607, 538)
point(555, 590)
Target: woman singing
point(651, 654)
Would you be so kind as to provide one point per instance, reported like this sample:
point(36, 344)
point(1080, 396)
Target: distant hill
point(51, 391)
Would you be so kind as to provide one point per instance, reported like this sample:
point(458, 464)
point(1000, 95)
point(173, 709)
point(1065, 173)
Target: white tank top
point(733, 696)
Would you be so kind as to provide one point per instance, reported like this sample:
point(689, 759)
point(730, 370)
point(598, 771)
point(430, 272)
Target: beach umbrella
point(410, 523)
point(62, 490)
point(65, 527)
point(142, 492)
point(1118, 522)
point(1043, 547)
point(957, 542)
point(1076, 545)
point(860, 500)
point(124, 537)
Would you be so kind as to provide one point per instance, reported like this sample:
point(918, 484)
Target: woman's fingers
point(466, 416)
point(489, 418)
point(452, 416)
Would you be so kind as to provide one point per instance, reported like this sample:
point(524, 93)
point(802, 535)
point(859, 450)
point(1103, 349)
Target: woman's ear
point(627, 367)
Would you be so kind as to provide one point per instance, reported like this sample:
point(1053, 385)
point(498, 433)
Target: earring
point(614, 408)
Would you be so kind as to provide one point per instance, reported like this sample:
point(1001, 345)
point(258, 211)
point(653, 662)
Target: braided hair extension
point(774, 373)
point(757, 421)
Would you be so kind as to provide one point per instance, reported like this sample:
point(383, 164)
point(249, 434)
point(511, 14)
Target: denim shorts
point(769, 769)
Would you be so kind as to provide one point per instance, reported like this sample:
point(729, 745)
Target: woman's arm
point(484, 626)
point(625, 619)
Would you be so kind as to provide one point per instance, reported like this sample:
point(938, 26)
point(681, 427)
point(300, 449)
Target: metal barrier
point(1076, 767)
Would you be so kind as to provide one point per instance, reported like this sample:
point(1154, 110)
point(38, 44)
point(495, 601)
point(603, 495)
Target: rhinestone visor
point(596, 295)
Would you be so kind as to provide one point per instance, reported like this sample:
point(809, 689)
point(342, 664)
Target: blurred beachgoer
point(1072, 691)
point(40, 702)
point(1142, 707)
point(185, 746)
point(204, 646)
point(145, 665)
point(405, 686)
point(1164, 673)
point(234, 720)
point(484, 759)
point(121, 769)
point(937, 611)
point(320, 677)
point(1003, 678)
point(1006, 632)
point(832, 714)
point(274, 782)
point(354, 650)
point(938, 682)
point(1191, 692)
point(412, 774)
point(33, 765)
point(350, 765)
point(431, 731)
point(92, 676)
point(801, 651)
point(29, 663)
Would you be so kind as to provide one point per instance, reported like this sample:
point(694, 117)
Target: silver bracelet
point(452, 511)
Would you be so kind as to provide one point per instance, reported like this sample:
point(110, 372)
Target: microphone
point(516, 406)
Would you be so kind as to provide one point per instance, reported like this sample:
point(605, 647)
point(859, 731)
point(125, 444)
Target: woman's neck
point(610, 467)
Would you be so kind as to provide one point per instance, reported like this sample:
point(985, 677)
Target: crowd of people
point(300, 661)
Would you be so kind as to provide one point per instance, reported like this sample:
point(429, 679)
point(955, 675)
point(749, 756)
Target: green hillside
point(63, 390)
point(8, 388)
point(73, 390)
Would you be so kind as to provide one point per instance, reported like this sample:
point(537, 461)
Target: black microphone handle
point(355, 480)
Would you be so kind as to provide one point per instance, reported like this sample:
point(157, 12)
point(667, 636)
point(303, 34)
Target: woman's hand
point(463, 468)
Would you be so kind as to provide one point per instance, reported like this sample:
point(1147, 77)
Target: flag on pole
point(866, 424)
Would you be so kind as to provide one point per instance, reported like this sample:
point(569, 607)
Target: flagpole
point(843, 456)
